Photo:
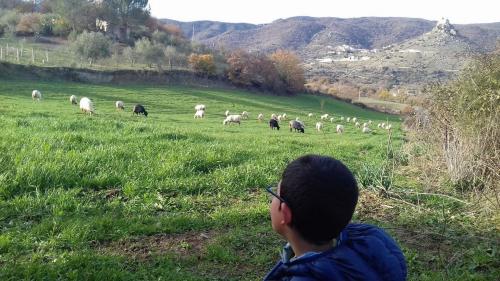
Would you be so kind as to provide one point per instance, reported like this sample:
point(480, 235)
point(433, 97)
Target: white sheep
point(382, 126)
point(341, 118)
point(354, 120)
point(232, 119)
point(199, 107)
point(260, 117)
point(36, 95)
point(365, 129)
point(324, 117)
point(297, 119)
point(365, 125)
point(388, 127)
point(319, 126)
point(340, 129)
point(283, 116)
point(357, 125)
point(244, 115)
point(310, 115)
point(280, 117)
point(73, 100)
point(332, 119)
point(348, 119)
point(370, 122)
point(119, 105)
point(226, 113)
point(273, 116)
point(379, 125)
point(199, 114)
point(86, 105)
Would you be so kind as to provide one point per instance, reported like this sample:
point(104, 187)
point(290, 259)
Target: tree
point(149, 53)
point(174, 57)
point(290, 72)
point(79, 14)
point(125, 13)
point(92, 46)
point(29, 24)
point(202, 64)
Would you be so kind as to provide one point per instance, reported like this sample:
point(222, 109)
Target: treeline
point(124, 31)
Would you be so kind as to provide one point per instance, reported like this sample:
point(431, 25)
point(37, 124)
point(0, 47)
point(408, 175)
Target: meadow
point(170, 197)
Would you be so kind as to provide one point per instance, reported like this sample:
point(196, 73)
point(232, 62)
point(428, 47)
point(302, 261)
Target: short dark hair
point(322, 194)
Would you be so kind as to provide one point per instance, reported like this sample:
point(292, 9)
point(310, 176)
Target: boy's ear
point(286, 214)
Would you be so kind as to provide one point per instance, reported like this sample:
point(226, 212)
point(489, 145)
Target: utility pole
point(192, 36)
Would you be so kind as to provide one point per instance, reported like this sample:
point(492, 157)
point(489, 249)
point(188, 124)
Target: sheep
point(279, 118)
point(310, 115)
point(340, 129)
point(370, 122)
point(297, 119)
point(260, 117)
point(379, 125)
point(388, 127)
point(273, 116)
point(341, 118)
point(348, 119)
point(324, 117)
point(36, 95)
point(119, 105)
point(365, 125)
point(226, 113)
point(332, 119)
point(199, 107)
point(357, 125)
point(139, 109)
point(199, 114)
point(232, 119)
point(73, 100)
point(273, 123)
point(297, 125)
point(382, 126)
point(244, 115)
point(86, 105)
point(354, 120)
point(319, 126)
point(366, 129)
point(284, 116)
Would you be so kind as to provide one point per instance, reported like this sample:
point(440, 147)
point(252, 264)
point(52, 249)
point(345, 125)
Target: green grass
point(169, 197)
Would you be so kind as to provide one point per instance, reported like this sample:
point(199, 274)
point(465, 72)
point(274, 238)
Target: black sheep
point(139, 109)
point(298, 126)
point(273, 123)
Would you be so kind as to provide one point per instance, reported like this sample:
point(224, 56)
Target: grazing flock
point(87, 106)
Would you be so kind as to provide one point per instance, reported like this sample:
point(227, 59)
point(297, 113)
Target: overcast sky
point(266, 11)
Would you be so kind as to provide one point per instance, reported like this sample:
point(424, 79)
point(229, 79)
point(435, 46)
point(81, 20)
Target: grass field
point(167, 197)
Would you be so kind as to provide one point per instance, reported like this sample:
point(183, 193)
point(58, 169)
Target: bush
point(202, 64)
point(9, 21)
point(464, 117)
point(149, 53)
point(91, 46)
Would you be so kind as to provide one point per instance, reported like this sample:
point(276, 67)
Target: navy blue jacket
point(363, 252)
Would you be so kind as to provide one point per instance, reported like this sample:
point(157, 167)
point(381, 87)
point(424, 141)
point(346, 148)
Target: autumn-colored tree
point(28, 24)
point(202, 64)
point(288, 66)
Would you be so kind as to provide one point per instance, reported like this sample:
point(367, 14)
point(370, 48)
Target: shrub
point(91, 46)
point(464, 117)
point(202, 64)
point(149, 53)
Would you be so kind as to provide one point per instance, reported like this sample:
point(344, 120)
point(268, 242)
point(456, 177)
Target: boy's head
point(321, 194)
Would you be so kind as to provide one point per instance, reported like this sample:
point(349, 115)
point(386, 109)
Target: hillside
point(375, 52)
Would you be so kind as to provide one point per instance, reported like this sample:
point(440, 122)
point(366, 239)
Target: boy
point(311, 208)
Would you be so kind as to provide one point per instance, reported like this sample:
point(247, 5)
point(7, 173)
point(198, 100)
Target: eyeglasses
point(273, 190)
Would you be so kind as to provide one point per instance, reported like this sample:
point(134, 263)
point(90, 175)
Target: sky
point(266, 11)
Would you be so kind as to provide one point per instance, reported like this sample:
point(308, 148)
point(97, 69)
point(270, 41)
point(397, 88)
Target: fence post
point(32, 56)
point(1, 53)
point(46, 56)
point(17, 54)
